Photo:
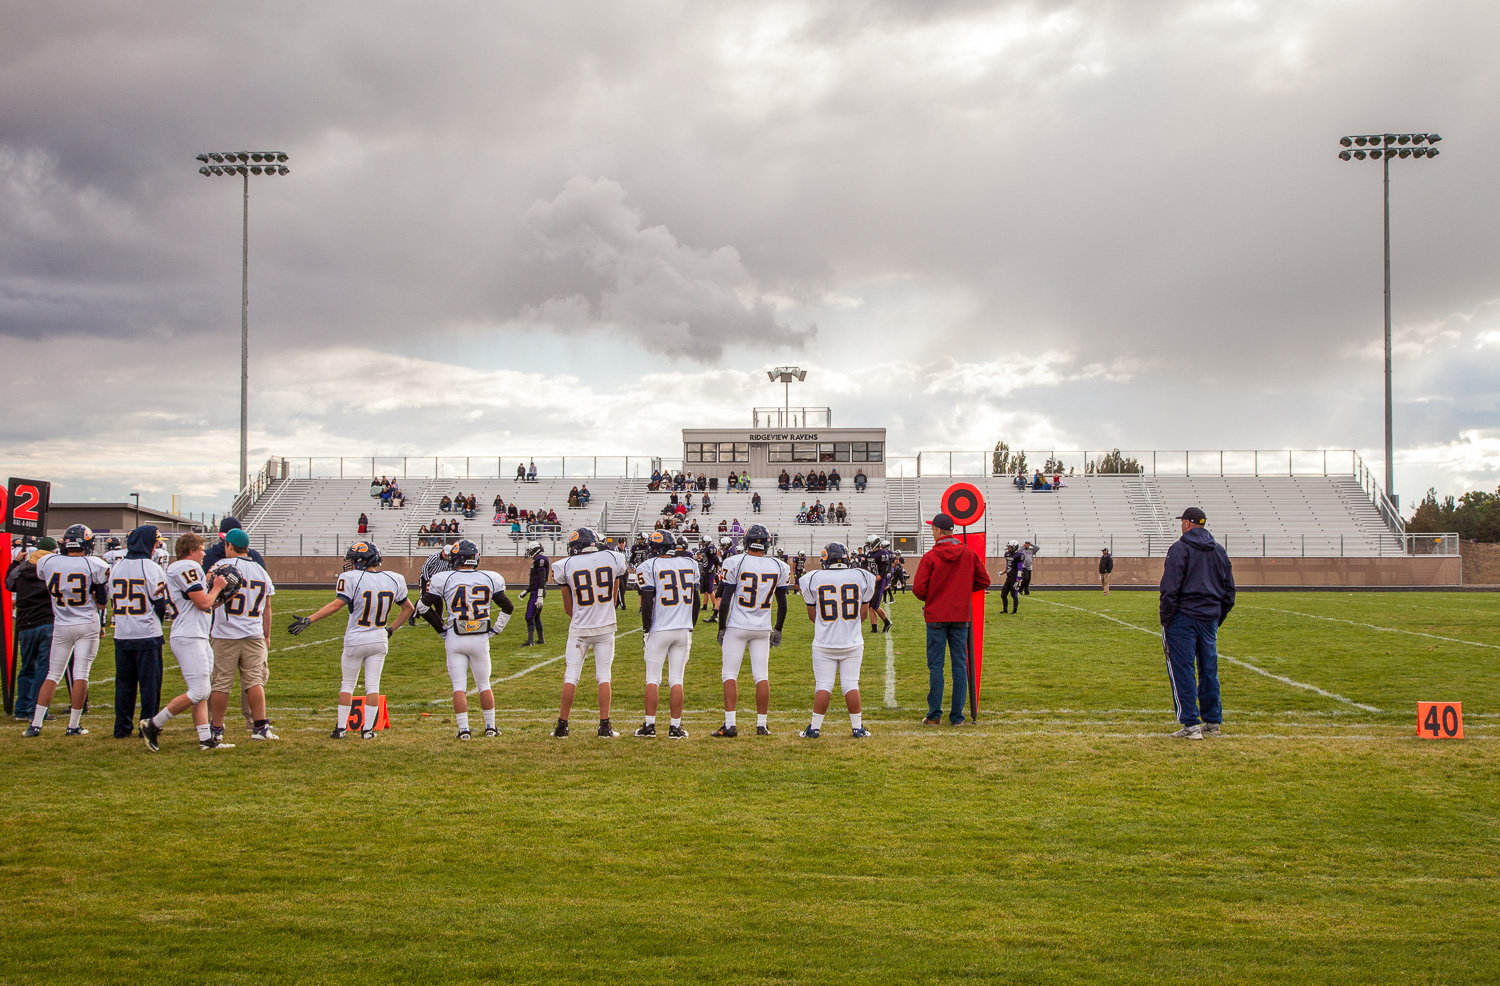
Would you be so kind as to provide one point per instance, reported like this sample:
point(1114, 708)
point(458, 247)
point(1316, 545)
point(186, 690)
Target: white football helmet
point(533, 548)
point(725, 541)
point(1013, 543)
point(872, 541)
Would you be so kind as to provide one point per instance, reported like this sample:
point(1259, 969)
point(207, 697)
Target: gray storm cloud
point(643, 282)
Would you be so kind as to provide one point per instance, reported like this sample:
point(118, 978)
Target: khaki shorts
point(247, 655)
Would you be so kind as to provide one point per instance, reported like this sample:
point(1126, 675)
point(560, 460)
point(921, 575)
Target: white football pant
point(669, 647)
point(604, 655)
point(465, 654)
point(369, 657)
point(758, 643)
point(195, 659)
point(76, 641)
point(844, 663)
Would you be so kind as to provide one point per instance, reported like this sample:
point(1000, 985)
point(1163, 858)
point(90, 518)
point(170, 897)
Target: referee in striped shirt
point(439, 561)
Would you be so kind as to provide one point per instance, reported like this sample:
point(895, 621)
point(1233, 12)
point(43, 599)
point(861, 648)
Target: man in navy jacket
point(1197, 593)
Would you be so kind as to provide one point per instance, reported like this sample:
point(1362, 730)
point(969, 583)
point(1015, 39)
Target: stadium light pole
point(785, 375)
point(243, 164)
point(1383, 147)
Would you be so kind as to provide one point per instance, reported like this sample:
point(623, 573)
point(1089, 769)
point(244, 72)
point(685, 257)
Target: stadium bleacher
point(1278, 516)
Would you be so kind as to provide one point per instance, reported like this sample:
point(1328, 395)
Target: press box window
point(781, 452)
point(804, 453)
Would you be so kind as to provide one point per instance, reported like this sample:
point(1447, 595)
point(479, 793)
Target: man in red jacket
point(947, 578)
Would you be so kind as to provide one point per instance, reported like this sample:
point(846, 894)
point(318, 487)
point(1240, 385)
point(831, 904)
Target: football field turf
point(1062, 838)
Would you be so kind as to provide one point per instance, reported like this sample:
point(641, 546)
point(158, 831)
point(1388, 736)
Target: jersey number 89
point(596, 586)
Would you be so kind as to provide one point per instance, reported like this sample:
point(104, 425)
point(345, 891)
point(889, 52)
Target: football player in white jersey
point(241, 637)
point(138, 588)
point(190, 600)
point(748, 584)
point(79, 585)
point(161, 556)
point(371, 594)
point(591, 580)
point(113, 551)
point(668, 582)
point(464, 594)
point(839, 597)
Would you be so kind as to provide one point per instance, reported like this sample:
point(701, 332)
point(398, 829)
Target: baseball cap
point(1193, 514)
point(942, 521)
point(238, 537)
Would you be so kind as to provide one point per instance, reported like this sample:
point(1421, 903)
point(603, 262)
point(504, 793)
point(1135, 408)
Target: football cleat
point(491, 731)
point(338, 733)
point(676, 732)
point(860, 733)
point(762, 731)
point(367, 734)
point(264, 733)
point(726, 730)
point(151, 733)
point(32, 731)
point(217, 732)
point(886, 628)
point(214, 743)
point(76, 731)
point(648, 730)
point(464, 734)
point(562, 729)
point(606, 731)
point(810, 732)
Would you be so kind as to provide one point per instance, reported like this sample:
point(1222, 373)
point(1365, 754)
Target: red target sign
point(964, 503)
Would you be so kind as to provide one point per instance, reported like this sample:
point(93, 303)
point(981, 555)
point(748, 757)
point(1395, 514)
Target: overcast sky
point(517, 228)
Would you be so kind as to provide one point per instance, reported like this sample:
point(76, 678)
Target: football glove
point(298, 625)
point(720, 637)
point(775, 638)
point(390, 632)
point(525, 593)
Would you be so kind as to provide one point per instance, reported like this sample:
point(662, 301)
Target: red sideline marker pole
point(965, 504)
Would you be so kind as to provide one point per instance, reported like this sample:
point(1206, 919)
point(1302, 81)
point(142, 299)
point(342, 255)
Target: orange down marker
point(1440, 720)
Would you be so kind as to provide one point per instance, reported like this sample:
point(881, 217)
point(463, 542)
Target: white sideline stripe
point(1232, 660)
point(1372, 626)
point(890, 672)
point(313, 643)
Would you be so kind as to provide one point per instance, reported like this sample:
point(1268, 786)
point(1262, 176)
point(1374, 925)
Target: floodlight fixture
point(1387, 146)
point(239, 164)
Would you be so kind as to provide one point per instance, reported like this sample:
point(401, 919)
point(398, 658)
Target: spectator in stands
point(702, 482)
point(573, 498)
point(1020, 481)
point(520, 473)
point(584, 496)
point(682, 509)
point(784, 482)
point(376, 488)
point(515, 529)
point(552, 518)
point(422, 538)
point(735, 530)
point(446, 503)
point(1058, 482)
point(499, 504)
point(860, 480)
point(834, 478)
point(822, 481)
point(840, 514)
point(798, 483)
point(723, 527)
point(755, 502)
point(744, 482)
point(802, 513)
point(655, 478)
point(734, 478)
point(364, 524)
point(693, 528)
point(688, 501)
point(708, 503)
point(531, 471)
point(511, 512)
point(385, 497)
point(1106, 568)
point(471, 507)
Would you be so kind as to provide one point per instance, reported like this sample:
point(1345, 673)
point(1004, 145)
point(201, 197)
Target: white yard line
point(1372, 626)
point(890, 672)
point(1232, 660)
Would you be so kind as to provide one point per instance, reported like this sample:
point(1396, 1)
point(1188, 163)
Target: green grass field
point(1063, 838)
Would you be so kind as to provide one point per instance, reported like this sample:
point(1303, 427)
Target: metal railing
point(1063, 544)
point(468, 466)
point(791, 417)
point(1151, 462)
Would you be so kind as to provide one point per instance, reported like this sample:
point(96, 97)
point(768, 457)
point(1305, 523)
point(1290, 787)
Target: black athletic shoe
point(762, 731)
point(606, 731)
point(528, 644)
point(214, 743)
point(76, 731)
point(367, 734)
point(491, 731)
point(562, 728)
point(648, 730)
point(861, 733)
point(810, 732)
point(464, 734)
point(338, 732)
point(886, 628)
point(151, 732)
point(32, 731)
point(676, 732)
point(726, 730)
